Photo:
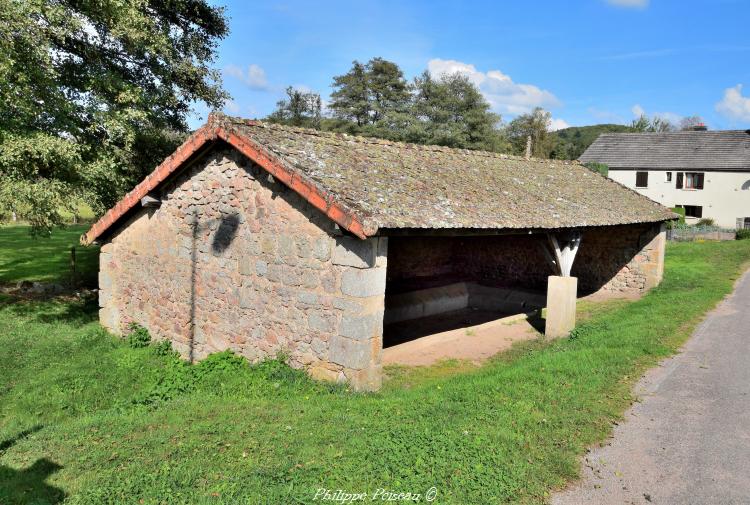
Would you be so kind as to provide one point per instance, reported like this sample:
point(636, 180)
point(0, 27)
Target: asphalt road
point(688, 440)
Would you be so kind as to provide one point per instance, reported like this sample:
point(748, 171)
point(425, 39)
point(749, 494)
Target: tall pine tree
point(451, 111)
point(371, 95)
point(350, 99)
point(375, 99)
point(388, 90)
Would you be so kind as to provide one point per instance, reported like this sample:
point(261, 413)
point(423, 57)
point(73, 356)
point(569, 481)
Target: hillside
point(571, 142)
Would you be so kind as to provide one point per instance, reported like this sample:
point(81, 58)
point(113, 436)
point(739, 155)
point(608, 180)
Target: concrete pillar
point(654, 268)
point(561, 305)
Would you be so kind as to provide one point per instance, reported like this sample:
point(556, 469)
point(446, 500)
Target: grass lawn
point(45, 258)
point(88, 418)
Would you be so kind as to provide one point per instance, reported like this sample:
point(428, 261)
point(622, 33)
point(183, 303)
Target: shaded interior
point(497, 260)
point(493, 276)
point(437, 284)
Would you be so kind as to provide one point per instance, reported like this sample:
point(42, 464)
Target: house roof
point(699, 150)
point(369, 185)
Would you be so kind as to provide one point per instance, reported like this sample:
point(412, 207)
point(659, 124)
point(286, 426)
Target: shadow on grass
point(45, 258)
point(28, 485)
point(74, 312)
point(7, 444)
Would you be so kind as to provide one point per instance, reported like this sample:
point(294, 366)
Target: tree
point(601, 168)
point(388, 90)
point(653, 125)
point(374, 99)
point(375, 96)
point(450, 110)
point(536, 125)
point(350, 99)
point(690, 122)
point(569, 143)
point(94, 95)
point(298, 109)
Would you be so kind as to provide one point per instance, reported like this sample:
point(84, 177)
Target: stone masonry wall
point(235, 260)
point(620, 259)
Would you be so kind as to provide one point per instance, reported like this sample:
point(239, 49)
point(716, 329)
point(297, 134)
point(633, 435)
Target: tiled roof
point(699, 150)
point(369, 185)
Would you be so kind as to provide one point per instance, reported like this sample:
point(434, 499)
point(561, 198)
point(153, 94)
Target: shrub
point(163, 348)
point(706, 221)
point(219, 373)
point(600, 168)
point(743, 234)
point(219, 362)
point(138, 336)
point(681, 212)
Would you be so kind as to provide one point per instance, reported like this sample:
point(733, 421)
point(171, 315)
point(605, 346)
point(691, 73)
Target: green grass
point(45, 258)
point(87, 418)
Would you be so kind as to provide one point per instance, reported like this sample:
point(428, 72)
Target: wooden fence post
point(73, 267)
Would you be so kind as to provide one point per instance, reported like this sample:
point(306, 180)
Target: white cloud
point(557, 124)
point(631, 4)
point(255, 77)
point(672, 117)
point(734, 105)
point(504, 95)
point(234, 108)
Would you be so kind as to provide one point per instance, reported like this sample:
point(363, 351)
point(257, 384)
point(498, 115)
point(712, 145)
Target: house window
point(692, 210)
point(669, 176)
point(678, 185)
point(746, 224)
point(641, 179)
point(693, 180)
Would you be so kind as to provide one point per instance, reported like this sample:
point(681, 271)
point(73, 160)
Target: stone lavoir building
point(262, 238)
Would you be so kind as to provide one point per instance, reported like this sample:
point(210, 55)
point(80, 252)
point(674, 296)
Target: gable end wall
point(235, 260)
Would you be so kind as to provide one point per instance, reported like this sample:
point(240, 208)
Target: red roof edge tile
point(212, 130)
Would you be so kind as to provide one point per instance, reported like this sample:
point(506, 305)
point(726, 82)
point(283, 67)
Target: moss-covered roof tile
point(399, 185)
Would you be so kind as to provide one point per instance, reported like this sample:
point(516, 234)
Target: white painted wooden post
point(562, 257)
point(552, 261)
point(565, 255)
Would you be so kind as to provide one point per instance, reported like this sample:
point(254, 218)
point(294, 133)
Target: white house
point(705, 172)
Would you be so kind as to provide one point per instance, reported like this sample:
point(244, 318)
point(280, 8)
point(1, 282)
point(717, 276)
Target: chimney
point(700, 127)
point(528, 147)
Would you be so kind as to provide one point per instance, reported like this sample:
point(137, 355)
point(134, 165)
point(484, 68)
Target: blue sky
point(587, 61)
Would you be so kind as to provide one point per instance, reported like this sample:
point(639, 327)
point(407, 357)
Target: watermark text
point(343, 496)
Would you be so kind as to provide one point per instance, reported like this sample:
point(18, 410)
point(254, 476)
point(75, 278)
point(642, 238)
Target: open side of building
point(262, 239)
